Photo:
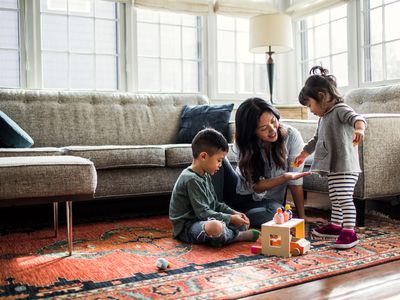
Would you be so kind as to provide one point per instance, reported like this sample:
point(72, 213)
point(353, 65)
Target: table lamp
point(270, 33)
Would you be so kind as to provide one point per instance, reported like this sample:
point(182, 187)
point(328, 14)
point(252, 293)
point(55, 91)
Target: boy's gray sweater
point(333, 142)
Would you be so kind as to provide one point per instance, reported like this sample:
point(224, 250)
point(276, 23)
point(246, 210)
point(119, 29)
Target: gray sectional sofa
point(130, 138)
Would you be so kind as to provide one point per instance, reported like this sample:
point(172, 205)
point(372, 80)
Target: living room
point(99, 103)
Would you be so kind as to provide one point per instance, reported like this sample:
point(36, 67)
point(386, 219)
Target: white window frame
point(303, 42)
point(355, 52)
point(31, 53)
point(132, 58)
point(236, 97)
point(362, 69)
point(21, 51)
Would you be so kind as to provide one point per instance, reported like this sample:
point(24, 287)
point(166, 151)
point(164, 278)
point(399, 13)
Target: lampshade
point(270, 30)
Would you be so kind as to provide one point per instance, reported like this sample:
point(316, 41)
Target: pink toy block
point(255, 249)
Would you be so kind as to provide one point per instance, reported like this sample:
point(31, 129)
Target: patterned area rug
point(116, 260)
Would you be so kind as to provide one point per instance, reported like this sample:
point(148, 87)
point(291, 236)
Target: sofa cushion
point(195, 118)
point(181, 155)
point(11, 135)
point(56, 118)
point(109, 157)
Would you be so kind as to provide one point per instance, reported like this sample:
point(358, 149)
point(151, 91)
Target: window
point(381, 40)
point(323, 39)
point(239, 71)
point(170, 55)
point(79, 44)
point(9, 44)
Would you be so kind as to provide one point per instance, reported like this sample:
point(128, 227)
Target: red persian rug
point(116, 260)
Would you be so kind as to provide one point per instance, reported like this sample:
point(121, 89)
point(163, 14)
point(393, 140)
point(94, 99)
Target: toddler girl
point(339, 131)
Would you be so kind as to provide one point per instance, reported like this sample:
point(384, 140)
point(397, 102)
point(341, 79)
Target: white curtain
point(198, 7)
point(302, 8)
point(122, 1)
point(244, 8)
point(241, 8)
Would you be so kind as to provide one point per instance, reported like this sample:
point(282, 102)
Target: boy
point(196, 214)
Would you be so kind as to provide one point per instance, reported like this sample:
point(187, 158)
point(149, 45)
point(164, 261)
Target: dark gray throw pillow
point(197, 117)
point(11, 135)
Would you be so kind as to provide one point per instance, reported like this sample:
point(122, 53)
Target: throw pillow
point(197, 117)
point(11, 135)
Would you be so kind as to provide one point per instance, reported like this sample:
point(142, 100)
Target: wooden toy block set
point(282, 236)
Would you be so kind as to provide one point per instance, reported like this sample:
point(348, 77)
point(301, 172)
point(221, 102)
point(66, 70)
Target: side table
point(292, 111)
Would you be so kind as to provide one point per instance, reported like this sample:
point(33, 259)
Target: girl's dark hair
point(248, 115)
point(319, 81)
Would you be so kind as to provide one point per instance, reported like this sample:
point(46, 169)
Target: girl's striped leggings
point(341, 189)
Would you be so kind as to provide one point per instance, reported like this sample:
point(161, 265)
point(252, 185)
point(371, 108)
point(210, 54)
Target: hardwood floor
point(375, 283)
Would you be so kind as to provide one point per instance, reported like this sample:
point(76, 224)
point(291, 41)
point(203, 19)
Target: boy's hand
point(299, 160)
point(238, 221)
point(295, 175)
point(242, 215)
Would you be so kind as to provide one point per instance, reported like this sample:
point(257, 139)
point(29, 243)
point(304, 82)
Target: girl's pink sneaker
point(346, 240)
point(329, 231)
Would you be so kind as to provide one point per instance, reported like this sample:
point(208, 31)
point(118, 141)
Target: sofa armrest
point(306, 128)
point(379, 157)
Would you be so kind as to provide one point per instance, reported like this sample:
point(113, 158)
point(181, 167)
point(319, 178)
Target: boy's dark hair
point(319, 81)
point(210, 141)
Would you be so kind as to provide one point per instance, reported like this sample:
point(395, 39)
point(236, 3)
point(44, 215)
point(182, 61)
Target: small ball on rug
point(162, 264)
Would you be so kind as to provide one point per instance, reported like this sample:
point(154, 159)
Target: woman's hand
point(295, 175)
point(299, 160)
point(267, 184)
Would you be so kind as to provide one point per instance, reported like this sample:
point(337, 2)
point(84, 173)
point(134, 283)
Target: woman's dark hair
point(247, 118)
point(319, 81)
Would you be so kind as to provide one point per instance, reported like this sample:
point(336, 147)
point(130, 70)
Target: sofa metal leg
point(69, 225)
point(360, 210)
point(55, 218)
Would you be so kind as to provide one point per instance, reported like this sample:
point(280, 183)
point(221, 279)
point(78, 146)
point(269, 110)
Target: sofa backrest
point(57, 119)
point(385, 99)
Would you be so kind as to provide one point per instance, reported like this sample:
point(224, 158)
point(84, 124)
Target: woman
point(266, 151)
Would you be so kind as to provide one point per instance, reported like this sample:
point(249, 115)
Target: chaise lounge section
point(47, 179)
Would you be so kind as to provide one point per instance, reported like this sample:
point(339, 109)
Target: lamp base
point(270, 72)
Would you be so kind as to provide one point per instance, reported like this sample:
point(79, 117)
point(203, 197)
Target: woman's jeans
point(259, 212)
